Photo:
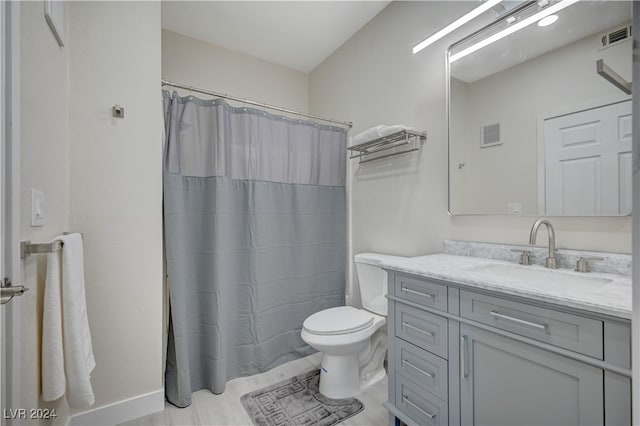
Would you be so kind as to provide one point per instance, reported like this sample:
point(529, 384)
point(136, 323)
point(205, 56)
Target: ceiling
point(296, 34)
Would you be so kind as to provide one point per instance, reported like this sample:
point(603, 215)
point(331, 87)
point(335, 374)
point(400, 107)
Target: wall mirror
point(540, 116)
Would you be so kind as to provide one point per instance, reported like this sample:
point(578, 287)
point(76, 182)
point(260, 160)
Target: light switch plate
point(37, 207)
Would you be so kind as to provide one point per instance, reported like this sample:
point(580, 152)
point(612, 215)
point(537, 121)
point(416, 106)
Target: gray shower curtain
point(255, 228)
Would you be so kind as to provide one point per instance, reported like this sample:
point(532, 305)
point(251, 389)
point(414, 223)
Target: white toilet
point(353, 341)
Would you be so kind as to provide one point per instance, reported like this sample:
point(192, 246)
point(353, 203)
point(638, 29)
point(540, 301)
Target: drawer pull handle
point(463, 356)
point(419, 330)
point(408, 401)
point(426, 373)
point(519, 321)
point(419, 293)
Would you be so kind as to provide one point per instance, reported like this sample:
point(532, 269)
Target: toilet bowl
point(343, 335)
point(353, 341)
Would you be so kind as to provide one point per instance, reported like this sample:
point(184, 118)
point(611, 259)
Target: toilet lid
point(340, 320)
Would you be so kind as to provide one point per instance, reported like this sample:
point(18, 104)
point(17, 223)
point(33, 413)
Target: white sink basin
point(532, 274)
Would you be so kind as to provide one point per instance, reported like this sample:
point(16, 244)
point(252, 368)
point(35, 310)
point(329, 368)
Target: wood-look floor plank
point(208, 408)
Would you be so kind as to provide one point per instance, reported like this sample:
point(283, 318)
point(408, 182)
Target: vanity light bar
point(455, 24)
point(550, 10)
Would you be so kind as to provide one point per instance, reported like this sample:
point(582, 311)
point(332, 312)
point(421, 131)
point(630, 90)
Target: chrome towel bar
point(28, 248)
point(613, 77)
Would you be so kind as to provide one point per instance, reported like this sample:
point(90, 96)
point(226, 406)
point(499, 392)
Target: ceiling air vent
point(490, 135)
point(616, 36)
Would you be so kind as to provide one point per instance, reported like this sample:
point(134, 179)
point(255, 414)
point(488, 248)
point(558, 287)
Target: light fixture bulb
point(547, 20)
point(455, 24)
point(549, 10)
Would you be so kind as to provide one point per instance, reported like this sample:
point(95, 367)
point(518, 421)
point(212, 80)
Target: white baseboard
point(121, 411)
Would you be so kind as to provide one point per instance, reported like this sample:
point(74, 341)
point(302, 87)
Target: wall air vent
point(490, 135)
point(616, 36)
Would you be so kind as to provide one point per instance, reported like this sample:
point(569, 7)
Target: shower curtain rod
point(164, 82)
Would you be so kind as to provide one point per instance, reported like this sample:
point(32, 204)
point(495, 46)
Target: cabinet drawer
point(422, 292)
point(421, 406)
point(421, 328)
point(573, 332)
point(422, 368)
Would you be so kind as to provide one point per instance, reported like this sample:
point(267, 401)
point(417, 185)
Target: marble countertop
point(611, 298)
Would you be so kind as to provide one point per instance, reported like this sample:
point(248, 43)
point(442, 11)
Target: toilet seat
point(337, 321)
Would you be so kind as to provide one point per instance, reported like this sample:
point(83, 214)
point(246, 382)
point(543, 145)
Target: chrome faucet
point(550, 261)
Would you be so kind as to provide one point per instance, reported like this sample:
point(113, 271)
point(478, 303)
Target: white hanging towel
point(67, 353)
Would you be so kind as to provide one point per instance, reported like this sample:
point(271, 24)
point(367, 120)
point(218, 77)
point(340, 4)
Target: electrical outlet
point(515, 208)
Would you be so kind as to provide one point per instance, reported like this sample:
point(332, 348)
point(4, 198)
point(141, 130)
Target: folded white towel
point(369, 134)
point(378, 132)
point(67, 352)
point(388, 130)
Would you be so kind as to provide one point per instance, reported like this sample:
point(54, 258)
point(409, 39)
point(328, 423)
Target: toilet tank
point(372, 281)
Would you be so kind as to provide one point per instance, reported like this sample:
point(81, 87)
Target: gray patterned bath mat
point(297, 401)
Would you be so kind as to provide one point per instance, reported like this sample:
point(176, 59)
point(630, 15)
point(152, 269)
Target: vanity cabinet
point(461, 355)
point(505, 382)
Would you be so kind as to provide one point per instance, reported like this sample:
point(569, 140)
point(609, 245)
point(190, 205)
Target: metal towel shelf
point(405, 138)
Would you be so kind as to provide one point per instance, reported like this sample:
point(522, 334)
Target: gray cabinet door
point(505, 382)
